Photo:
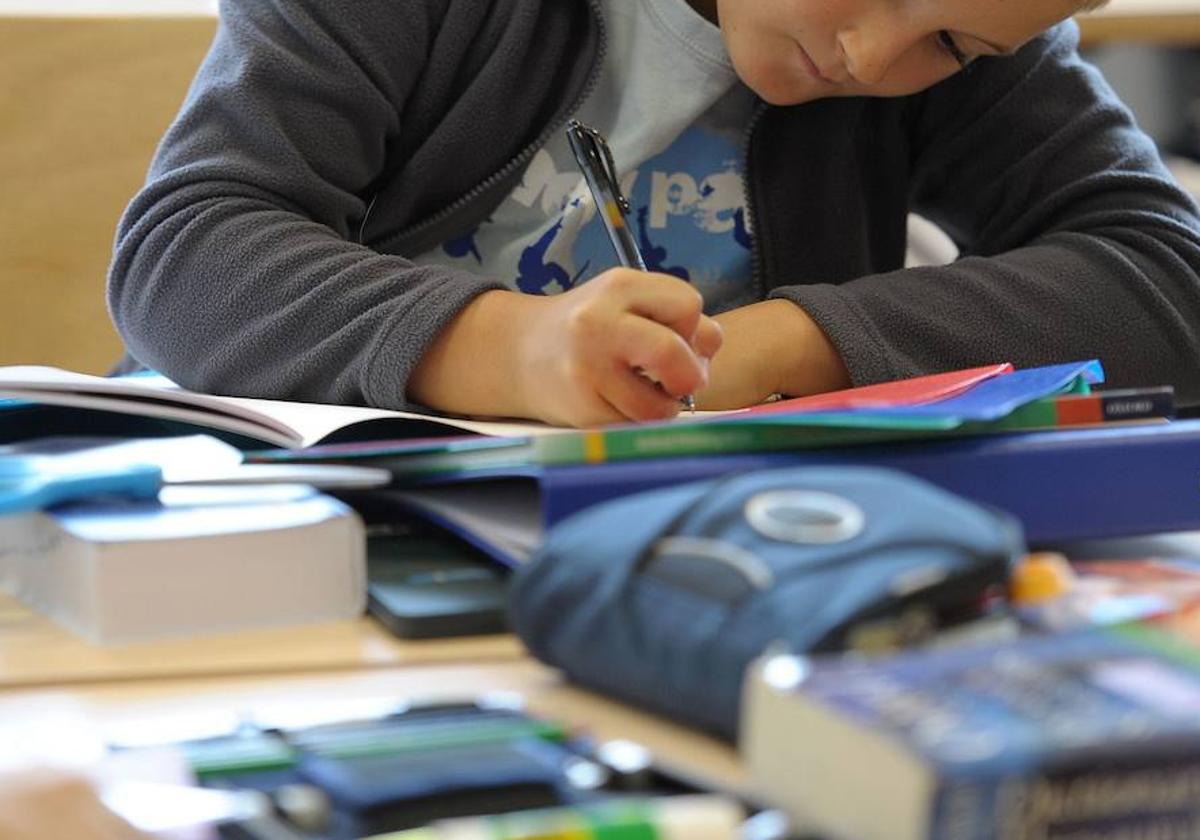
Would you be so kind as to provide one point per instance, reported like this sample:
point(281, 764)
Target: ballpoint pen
point(596, 161)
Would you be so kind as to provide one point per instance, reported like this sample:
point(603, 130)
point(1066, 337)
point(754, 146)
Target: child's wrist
point(526, 374)
point(470, 367)
point(811, 362)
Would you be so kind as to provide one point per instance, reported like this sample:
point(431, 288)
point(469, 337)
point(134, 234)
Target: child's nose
point(867, 59)
point(870, 49)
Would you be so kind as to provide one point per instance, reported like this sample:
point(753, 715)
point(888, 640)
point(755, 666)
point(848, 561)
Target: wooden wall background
point(83, 103)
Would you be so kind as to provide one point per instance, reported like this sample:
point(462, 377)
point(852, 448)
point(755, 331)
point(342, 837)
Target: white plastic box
point(200, 560)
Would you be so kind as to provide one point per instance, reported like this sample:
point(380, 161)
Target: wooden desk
point(34, 651)
point(70, 723)
point(1165, 22)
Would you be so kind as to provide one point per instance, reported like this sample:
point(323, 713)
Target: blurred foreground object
point(37, 804)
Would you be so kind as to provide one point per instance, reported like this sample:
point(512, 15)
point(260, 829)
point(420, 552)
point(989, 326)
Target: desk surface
point(36, 651)
point(73, 723)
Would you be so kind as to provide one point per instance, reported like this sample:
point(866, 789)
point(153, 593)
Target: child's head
point(793, 51)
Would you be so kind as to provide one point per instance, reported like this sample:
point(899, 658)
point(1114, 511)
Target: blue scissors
point(36, 482)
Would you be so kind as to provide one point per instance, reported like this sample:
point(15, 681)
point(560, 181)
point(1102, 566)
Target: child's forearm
point(771, 347)
point(814, 365)
point(472, 366)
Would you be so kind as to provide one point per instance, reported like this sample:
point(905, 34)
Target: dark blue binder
point(1069, 484)
point(1065, 485)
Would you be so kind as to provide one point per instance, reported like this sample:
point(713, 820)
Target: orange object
point(1076, 410)
point(1040, 577)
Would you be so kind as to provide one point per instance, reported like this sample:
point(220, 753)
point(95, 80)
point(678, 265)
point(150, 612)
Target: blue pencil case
point(663, 598)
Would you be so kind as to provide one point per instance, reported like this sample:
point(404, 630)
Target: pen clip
point(599, 150)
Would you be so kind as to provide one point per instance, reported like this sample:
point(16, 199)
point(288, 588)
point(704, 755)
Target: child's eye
point(946, 42)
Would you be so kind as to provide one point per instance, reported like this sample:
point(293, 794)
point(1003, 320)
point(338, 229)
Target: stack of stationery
point(1061, 485)
point(994, 398)
point(963, 404)
point(501, 484)
point(1077, 466)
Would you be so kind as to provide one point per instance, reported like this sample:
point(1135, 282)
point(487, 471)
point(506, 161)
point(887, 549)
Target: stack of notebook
point(1069, 460)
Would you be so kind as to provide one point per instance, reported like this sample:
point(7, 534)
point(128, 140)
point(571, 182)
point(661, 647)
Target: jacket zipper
point(756, 257)
point(526, 154)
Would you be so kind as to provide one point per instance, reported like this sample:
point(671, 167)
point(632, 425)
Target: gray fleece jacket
point(323, 142)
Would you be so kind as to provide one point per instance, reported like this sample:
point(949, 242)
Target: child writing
point(374, 203)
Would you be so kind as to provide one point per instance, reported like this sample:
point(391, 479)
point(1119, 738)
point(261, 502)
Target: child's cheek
point(776, 70)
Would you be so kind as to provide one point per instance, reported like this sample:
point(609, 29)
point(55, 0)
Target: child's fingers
point(708, 337)
point(638, 397)
point(590, 409)
point(659, 297)
point(663, 355)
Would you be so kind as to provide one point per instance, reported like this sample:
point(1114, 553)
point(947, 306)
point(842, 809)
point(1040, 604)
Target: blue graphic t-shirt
point(674, 113)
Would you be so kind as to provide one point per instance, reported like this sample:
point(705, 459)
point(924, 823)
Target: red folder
point(916, 391)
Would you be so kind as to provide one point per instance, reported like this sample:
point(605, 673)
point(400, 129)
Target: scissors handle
point(29, 486)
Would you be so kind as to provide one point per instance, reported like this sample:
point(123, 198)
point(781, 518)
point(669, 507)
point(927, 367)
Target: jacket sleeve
point(236, 268)
point(1075, 241)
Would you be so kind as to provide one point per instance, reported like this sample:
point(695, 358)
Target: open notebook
point(297, 425)
point(273, 422)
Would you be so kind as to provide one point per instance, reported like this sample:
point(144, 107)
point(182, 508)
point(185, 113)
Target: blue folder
point(1069, 484)
point(1065, 484)
point(991, 399)
point(1001, 395)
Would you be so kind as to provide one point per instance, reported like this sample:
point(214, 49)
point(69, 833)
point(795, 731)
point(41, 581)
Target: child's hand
point(627, 345)
point(771, 347)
